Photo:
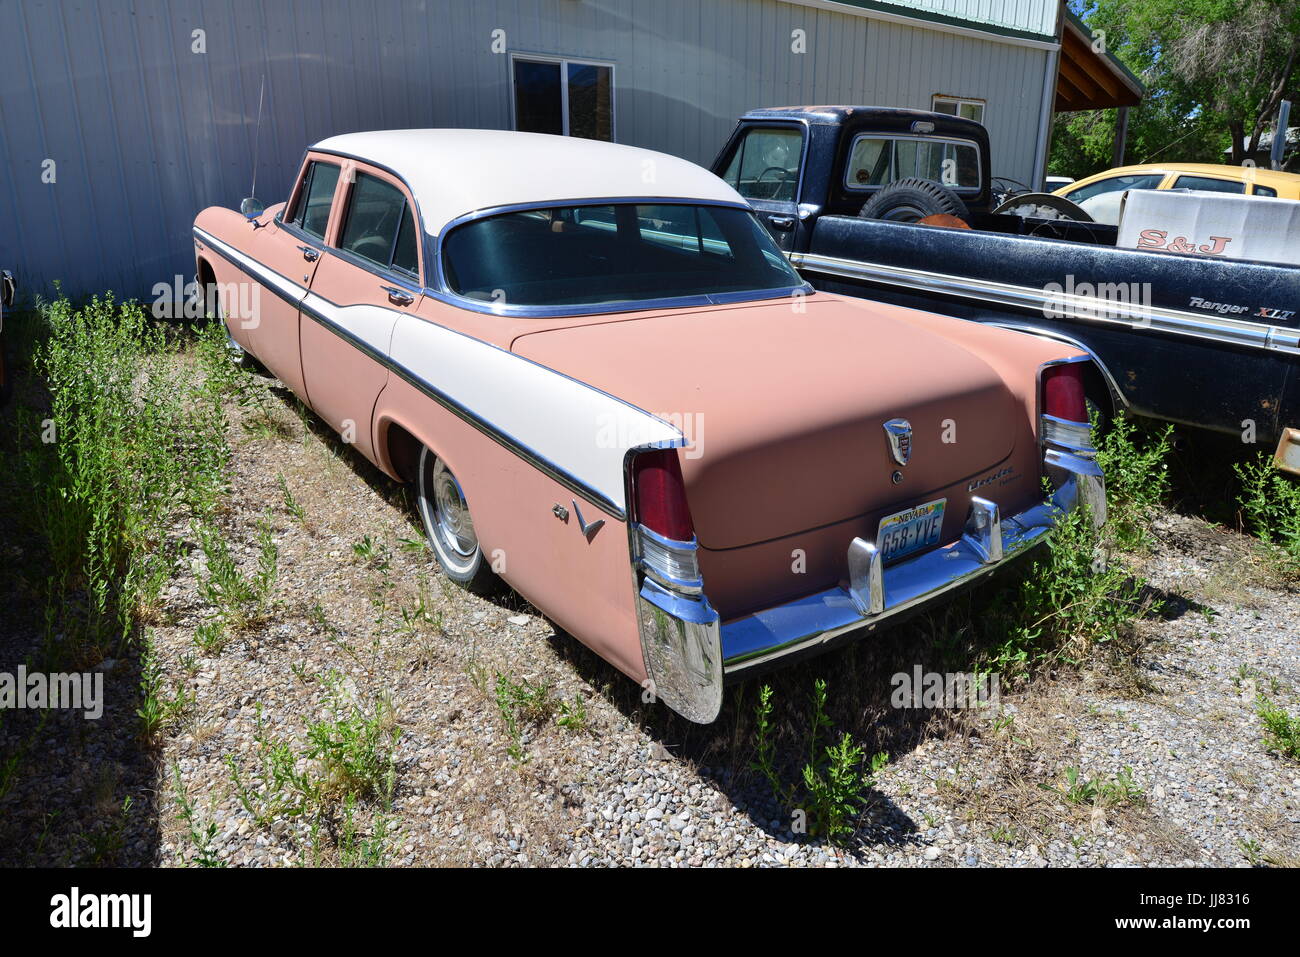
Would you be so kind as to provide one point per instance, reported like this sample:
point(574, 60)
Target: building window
point(568, 97)
point(959, 106)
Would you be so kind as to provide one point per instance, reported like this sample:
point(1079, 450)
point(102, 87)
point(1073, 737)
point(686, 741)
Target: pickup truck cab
point(794, 164)
point(1195, 339)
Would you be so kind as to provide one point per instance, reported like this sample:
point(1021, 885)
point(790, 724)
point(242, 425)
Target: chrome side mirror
point(252, 208)
point(7, 288)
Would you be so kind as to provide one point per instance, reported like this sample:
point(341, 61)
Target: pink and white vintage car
point(610, 389)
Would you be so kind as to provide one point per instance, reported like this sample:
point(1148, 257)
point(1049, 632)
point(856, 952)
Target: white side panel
point(583, 431)
point(372, 325)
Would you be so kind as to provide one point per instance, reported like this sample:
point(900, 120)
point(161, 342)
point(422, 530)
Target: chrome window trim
point(1158, 319)
point(960, 190)
point(444, 294)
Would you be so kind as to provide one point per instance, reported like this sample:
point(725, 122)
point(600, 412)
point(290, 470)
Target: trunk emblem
point(899, 433)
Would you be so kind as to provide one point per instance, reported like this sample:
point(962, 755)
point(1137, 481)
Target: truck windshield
point(582, 255)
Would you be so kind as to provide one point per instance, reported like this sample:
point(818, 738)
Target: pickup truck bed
point(1190, 339)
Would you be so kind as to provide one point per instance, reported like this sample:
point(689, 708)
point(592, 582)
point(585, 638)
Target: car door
point(764, 164)
point(290, 248)
point(371, 274)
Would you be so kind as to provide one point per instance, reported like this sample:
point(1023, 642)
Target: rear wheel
point(450, 527)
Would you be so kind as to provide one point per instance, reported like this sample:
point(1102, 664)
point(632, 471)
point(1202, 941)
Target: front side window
point(312, 210)
point(879, 160)
point(1210, 183)
point(765, 164)
point(379, 225)
point(1112, 184)
point(564, 97)
point(613, 253)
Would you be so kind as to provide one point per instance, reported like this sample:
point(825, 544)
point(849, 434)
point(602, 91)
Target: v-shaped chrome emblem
point(589, 529)
point(899, 433)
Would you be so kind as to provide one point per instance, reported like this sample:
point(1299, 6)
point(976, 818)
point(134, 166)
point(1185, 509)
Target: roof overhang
point(1089, 79)
point(915, 16)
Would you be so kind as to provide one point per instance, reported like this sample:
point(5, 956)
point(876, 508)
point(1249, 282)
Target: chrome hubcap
point(451, 518)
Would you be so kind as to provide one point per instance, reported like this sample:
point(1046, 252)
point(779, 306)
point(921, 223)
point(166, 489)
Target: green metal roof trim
point(1119, 64)
point(914, 13)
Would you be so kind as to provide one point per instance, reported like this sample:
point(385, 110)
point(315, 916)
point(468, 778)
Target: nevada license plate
point(905, 532)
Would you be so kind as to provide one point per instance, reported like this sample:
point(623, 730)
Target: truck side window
point(765, 164)
point(870, 162)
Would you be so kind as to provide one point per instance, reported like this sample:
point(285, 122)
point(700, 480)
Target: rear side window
point(1114, 184)
point(312, 212)
point(1264, 191)
point(880, 160)
point(380, 226)
point(1210, 183)
point(766, 164)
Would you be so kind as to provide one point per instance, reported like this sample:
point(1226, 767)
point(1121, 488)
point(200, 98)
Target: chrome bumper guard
point(689, 652)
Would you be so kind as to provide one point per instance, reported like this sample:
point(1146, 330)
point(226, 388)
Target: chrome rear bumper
point(875, 595)
point(689, 653)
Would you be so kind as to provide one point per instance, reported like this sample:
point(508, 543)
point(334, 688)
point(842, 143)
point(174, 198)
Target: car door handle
point(782, 223)
point(308, 253)
point(398, 297)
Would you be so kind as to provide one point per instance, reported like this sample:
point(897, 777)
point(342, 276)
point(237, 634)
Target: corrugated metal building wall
point(143, 131)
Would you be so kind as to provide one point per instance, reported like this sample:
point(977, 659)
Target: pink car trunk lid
point(785, 410)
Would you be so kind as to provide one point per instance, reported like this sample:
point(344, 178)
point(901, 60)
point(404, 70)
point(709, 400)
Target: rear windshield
point(584, 255)
point(879, 160)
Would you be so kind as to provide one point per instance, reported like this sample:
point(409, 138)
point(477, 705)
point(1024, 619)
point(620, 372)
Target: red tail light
point(659, 495)
point(1063, 392)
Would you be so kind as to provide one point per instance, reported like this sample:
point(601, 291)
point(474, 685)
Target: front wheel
point(449, 526)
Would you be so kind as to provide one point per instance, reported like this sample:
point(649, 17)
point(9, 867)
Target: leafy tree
point(1215, 72)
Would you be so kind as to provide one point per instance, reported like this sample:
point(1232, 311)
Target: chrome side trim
point(1077, 308)
point(809, 623)
point(1118, 397)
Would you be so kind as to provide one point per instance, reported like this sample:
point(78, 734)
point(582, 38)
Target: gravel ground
point(361, 619)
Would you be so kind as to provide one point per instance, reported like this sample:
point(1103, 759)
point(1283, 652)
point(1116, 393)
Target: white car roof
point(454, 172)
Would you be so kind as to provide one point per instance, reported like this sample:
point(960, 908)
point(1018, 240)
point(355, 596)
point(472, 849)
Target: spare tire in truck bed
point(911, 199)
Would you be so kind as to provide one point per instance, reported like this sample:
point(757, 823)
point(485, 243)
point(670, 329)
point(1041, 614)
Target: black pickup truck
point(1192, 339)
